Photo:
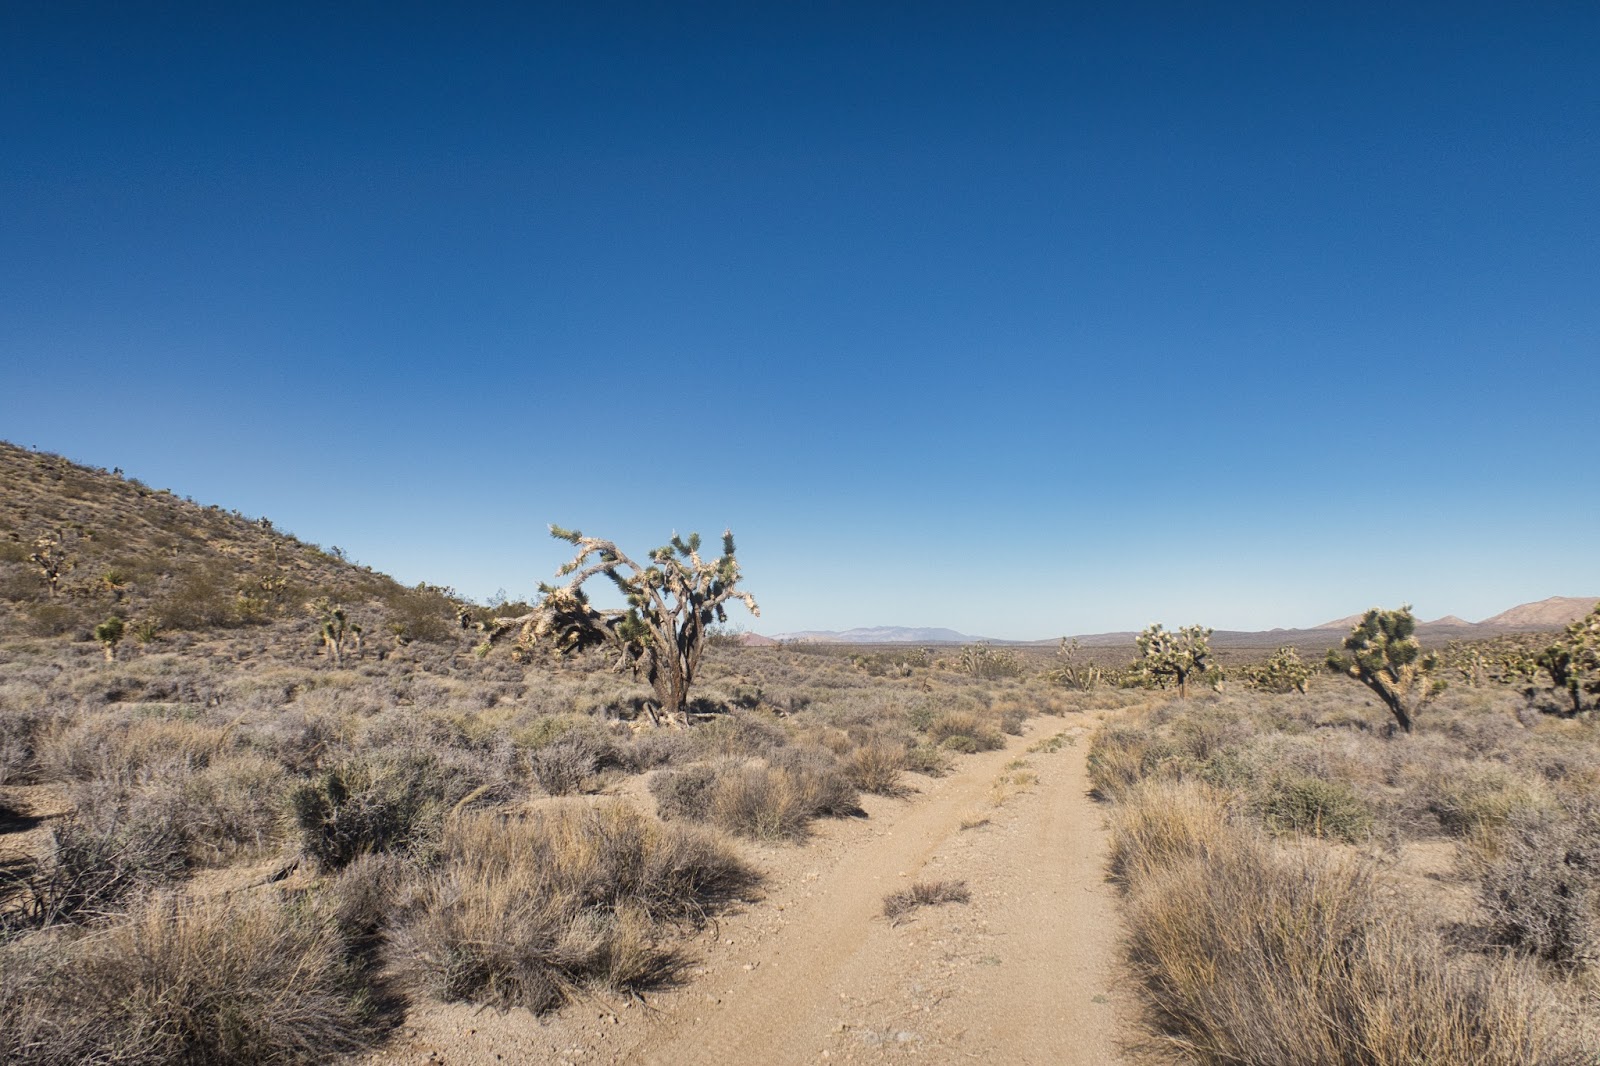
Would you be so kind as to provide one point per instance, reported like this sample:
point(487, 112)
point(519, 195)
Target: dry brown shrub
point(1162, 823)
point(965, 731)
point(876, 766)
point(246, 981)
point(773, 801)
point(524, 911)
point(1252, 957)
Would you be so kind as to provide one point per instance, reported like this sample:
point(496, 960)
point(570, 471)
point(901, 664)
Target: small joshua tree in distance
point(1178, 656)
point(660, 635)
point(109, 634)
point(1383, 653)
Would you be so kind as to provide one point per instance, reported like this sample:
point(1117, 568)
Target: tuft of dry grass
point(246, 981)
point(774, 801)
point(526, 910)
point(896, 905)
point(876, 767)
point(1251, 956)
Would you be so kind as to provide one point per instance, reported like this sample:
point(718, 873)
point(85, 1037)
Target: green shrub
point(1320, 808)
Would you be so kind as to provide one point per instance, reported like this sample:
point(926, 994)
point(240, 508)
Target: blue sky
point(1018, 320)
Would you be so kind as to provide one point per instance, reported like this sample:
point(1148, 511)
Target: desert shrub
point(234, 804)
point(20, 731)
point(964, 731)
point(369, 804)
point(685, 793)
point(1121, 756)
point(1476, 798)
point(565, 765)
point(1539, 881)
point(97, 859)
point(740, 734)
point(1011, 719)
point(1312, 805)
point(1161, 823)
point(928, 760)
point(1248, 957)
point(774, 801)
point(423, 613)
point(374, 892)
point(243, 981)
point(760, 802)
point(820, 779)
point(876, 766)
point(655, 748)
point(896, 905)
point(524, 911)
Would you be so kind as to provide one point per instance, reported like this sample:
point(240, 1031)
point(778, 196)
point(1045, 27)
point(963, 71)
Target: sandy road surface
point(1026, 973)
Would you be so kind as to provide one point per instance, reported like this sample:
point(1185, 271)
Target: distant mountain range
point(882, 635)
point(1552, 613)
point(1545, 614)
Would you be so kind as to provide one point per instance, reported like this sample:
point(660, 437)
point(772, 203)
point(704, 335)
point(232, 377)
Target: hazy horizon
point(1018, 322)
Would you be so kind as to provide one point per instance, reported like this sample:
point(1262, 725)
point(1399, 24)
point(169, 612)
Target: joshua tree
point(53, 560)
point(1282, 672)
point(1085, 677)
point(335, 626)
point(109, 634)
point(661, 634)
point(1178, 656)
point(1383, 653)
point(1573, 661)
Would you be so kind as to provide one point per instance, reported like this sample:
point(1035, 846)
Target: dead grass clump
point(876, 766)
point(524, 911)
point(1121, 756)
point(964, 731)
point(1162, 823)
point(923, 894)
point(98, 858)
point(1248, 957)
point(1539, 881)
point(235, 981)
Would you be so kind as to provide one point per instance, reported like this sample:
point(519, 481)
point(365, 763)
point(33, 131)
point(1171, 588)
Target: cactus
point(1175, 656)
point(661, 634)
point(1383, 653)
point(1573, 661)
point(109, 634)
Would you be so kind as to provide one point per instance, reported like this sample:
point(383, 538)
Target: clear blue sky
point(1021, 322)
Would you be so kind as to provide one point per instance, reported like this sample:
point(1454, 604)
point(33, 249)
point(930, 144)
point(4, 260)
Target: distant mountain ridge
point(1552, 613)
point(882, 635)
point(1544, 614)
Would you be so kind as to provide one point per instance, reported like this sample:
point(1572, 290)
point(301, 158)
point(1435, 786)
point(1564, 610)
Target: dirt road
point(1024, 973)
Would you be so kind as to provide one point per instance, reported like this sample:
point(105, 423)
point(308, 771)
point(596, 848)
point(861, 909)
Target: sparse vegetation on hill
point(79, 547)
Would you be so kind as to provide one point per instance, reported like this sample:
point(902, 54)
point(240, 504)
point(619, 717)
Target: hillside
point(78, 544)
